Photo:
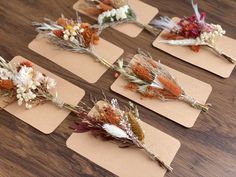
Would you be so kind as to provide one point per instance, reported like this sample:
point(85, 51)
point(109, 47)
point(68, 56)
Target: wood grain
point(208, 149)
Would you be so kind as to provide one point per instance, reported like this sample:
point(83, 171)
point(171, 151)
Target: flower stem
point(102, 60)
point(149, 28)
point(222, 54)
point(155, 157)
point(59, 103)
point(191, 101)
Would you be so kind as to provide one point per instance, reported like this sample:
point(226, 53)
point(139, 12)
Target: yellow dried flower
point(136, 128)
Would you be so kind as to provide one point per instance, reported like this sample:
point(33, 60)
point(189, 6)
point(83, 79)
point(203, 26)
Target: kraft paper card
point(126, 162)
point(46, 117)
point(145, 13)
point(174, 110)
point(205, 58)
point(82, 65)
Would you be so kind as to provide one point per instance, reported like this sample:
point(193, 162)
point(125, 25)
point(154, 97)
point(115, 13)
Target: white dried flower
point(66, 37)
point(81, 30)
point(113, 12)
point(73, 33)
point(115, 131)
point(24, 77)
point(210, 37)
point(28, 106)
point(66, 32)
point(51, 83)
point(72, 38)
point(38, 78)
point(117, 14)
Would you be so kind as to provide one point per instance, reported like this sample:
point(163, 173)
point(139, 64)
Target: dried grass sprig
point(110, 122)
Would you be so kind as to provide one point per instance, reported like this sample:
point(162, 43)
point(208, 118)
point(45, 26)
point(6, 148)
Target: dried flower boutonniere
point(71, 35)
point(20, 82)
point(109, 122)
point(114, 12)
point(151, 79)
point(192, 31)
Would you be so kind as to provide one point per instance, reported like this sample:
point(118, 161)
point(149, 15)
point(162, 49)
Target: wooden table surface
point(208, 149)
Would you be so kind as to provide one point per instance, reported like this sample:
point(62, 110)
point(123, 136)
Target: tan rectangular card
point(174, 110)
point(145, 13)
point(46, 117)
point(205, 58)
point(82, 65)
point(126, 162)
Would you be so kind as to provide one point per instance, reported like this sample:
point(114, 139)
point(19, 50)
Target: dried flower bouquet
point(152, 80)
point(110, 122)
point(192, 31)
point(22, 83)
point(71, 35)
point(112, 13)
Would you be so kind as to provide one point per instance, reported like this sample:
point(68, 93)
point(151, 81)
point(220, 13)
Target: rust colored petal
point(170, 86)
point(142, 72)
point(58, 33)
point(6, 84)
point(195, 48)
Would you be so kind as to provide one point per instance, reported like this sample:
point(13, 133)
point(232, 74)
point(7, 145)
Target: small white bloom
point(113, 12)
point(66, 37)
point(72, 38)
point(18, 95)
point(81, 30)
point(76, 28)
point(66, 32)
point(19, 102)
point(51, 83)
point(28, 106)
point(126, 8)
point(100, 19)
point(73, 33)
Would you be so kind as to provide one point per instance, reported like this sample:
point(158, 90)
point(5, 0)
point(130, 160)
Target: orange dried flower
point(195, 48)
point(172, 36)
point(62, 22)
point(108, 115)
point(151, 92)
point(6, 84)
point(170, 86)
point(93, 11)
point(131, 86)
point(104, 7)
point(26, 63)
point(142, 72)
point(89, 34)
point(153, 63)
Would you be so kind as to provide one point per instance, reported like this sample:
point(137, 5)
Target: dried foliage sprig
point(110, 122)
point(114, 12)
point(22, 83)
point(193, 31)
point(71, 35)
point(151, 79)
